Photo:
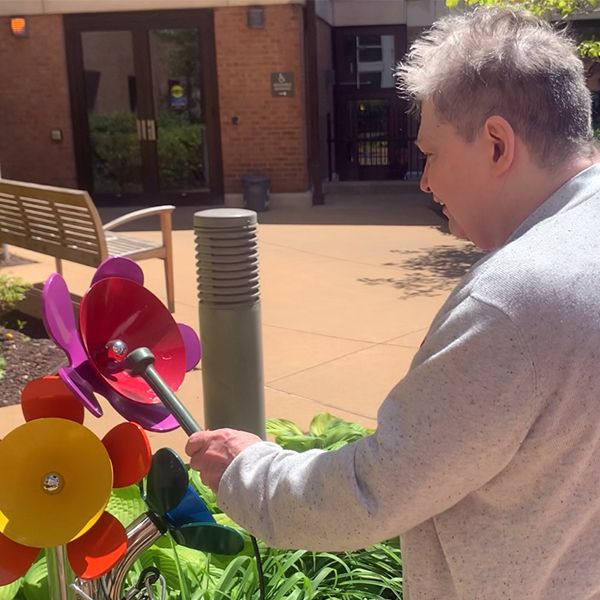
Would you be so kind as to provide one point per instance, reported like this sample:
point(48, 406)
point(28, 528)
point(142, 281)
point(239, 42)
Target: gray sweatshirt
point(486, 457)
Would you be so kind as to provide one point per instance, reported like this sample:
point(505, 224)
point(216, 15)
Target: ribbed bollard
point(230, 327)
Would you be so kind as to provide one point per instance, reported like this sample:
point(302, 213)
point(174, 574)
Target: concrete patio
point(348, 290)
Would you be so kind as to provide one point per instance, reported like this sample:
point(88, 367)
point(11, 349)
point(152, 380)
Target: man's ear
point(500, 139)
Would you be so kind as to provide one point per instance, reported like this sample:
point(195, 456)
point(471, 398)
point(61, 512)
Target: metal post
point(230, 326)
point(60, 574)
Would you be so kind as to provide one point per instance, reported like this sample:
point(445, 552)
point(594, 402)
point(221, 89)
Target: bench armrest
point(139, 214)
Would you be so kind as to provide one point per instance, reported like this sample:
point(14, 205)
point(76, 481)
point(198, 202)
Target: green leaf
point(205, 492)
point(299, 443)
point(164, 561)
point(126, 504)
point(290, 583)
point(278, 427)
point(183, 579)
point(35, 582)
point(234, 571)
point(322, 423)
point(8, 592)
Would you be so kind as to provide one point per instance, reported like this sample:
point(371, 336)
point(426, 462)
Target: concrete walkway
point(348, 291)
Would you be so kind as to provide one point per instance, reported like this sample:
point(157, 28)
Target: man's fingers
point(198, 442)
point(211, 452)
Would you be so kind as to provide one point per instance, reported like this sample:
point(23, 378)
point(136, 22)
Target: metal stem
point(141, 534)
point(60, 574)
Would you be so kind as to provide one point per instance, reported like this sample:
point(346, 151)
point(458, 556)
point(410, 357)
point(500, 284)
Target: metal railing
point(375, 154)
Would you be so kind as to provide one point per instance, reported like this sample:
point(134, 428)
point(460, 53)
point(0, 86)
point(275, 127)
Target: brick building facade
point(339, 117)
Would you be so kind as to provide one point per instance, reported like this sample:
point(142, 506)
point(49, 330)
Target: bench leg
point(166, 227)
point(58, 265)
point(170, 282)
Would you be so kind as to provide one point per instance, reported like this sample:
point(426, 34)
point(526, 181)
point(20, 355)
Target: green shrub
point(180, 152)
point(116, 152)
point(12, 291)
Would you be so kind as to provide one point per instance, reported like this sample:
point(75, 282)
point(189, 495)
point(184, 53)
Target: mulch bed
point(25, 346)
point(28, 353)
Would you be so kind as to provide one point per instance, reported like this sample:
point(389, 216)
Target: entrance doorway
point(374, 137)
point(145, 106)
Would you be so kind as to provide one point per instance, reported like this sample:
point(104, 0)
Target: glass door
point(178, 110)
point(143, 86)
point(111, 103)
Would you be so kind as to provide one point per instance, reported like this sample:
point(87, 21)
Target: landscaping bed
point(27, 353)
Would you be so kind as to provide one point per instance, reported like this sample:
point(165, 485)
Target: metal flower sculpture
point(117, 314)
point(57, 477)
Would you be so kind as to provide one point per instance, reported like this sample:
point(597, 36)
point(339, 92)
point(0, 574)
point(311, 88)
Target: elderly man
point(486, 457)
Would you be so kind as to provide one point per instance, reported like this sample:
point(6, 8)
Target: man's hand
point(211, 452)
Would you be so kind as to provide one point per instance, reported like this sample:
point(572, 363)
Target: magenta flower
point(118, 307)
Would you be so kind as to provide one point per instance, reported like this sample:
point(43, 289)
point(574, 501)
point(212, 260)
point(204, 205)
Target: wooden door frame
point(139, 23)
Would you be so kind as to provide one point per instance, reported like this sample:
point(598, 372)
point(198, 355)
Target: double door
point(145, 106)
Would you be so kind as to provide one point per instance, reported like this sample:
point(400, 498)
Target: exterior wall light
point(256, 17)
point(18, 27)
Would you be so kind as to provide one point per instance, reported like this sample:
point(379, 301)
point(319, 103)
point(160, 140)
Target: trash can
point(256, 192)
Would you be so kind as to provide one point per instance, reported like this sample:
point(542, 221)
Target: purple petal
point(153, 417)
point(84, 381)
point(119, 267)
point(193, 351)
point(78, 381)
point(59, 319)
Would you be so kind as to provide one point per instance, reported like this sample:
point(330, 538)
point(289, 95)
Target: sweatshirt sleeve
point(450, 426)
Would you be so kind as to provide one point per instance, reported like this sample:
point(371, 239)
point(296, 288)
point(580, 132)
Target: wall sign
point(282, 84)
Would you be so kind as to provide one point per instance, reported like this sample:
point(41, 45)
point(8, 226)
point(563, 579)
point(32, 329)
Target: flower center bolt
point(52, 483)
point(116, 350)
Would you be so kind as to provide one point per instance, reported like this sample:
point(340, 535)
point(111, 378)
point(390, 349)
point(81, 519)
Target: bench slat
point(10, 222)
point(120, 245)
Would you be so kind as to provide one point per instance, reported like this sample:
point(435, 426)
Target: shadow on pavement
point(431, 271)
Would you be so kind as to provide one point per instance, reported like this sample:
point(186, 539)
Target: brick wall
point(270, 137)
point(34, 98)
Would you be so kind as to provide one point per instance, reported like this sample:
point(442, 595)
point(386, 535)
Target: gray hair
point(506, 62)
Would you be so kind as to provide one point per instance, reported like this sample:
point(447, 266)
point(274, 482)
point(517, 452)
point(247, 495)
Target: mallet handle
point(141, 362)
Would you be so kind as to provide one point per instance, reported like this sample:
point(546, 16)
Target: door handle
point(146, 130)
point(141, 129)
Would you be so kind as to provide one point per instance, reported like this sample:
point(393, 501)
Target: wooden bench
point(64, 223)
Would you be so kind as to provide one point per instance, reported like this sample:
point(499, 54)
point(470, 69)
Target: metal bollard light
point(230, 326)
